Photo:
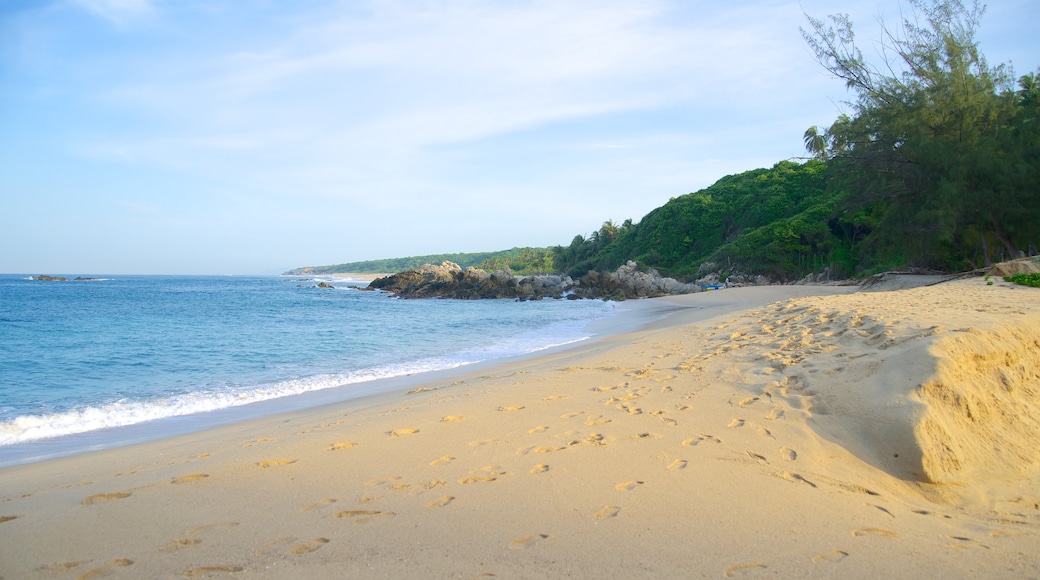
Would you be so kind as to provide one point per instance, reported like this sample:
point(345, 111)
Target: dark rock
point(325, 285)
point(449, 280)
point(51, 278)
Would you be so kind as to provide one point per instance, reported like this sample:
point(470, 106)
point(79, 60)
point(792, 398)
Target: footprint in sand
point(189, 478)
point(540, 468)
point(962, 543)
point(759, 458)
point(190, 538)
point(667, 420)
point(796, 478)
point(274, 545)
point(597, 420)
point(747, 401)
point(404, 432)
point(607, 512)
point(342, 445)
point(453, 419)
point(538, 429)
point(512, 408)
point(881, 509)
point(442, 460)
point(694, 441)
point(308, 546)
point(105, 568)
point(677, 465)
point(572, 415)
point(628, 485)
point(441, 501)
point(766, 433)
point(202, 571)
point(832, 556)
point(554, 397)
point(318, 504)
point(4, 519)
point(363, 516)
point(527, 541)
point(875, 532)
point(275, 462)
point(735, 423)
point(788, 453)
point(548, 449)
point(742, 570)
point(103, 497)
point(62, 567)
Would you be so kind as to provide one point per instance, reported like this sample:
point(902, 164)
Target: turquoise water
point(80, 357)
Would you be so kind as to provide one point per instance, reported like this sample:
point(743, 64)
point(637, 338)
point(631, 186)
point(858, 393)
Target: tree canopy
point(939, 146)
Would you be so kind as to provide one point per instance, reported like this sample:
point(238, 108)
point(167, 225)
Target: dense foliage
point(937, 166)
point(941, 152)
point(520, 260)
point(772, 221)
point(1024, 279)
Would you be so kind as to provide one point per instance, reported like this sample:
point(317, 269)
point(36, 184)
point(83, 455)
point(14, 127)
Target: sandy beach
point(783, 431)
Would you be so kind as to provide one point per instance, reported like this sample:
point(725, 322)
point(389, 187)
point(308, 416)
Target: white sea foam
point(27, 428)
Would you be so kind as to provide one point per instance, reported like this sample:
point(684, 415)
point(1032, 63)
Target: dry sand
point(849, 434)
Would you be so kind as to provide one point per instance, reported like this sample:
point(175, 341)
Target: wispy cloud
point(120, 12)
point(404, 76)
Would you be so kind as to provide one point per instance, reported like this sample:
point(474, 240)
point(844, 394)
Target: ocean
point(119, 359)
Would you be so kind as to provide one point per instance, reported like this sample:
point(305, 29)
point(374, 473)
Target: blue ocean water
point(81, 356)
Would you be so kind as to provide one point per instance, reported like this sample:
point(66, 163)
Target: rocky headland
point(449, 280)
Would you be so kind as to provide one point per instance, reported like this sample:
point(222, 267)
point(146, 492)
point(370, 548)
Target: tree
point(929, 144)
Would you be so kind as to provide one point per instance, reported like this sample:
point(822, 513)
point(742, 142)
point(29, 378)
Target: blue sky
point(254, 136)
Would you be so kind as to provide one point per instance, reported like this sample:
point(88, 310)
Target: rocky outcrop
point(449, 280)
point(47, 278)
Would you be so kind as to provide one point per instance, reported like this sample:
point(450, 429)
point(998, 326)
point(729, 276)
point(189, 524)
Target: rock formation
point(449, 280)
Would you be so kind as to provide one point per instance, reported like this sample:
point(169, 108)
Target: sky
point(255, 136)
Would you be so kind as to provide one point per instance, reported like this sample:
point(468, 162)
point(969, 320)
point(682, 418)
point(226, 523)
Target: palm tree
point(815, 143)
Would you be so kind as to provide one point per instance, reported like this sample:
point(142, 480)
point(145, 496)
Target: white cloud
point(403, 78)
point(119, 12)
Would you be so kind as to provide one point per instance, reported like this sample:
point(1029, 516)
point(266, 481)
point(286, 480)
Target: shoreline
point(719, 433)
point(629, 316)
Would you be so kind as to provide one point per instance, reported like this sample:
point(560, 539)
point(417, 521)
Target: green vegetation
point(521, 260)
point(772, 221)
point(937, 166)
point(941, 152)
point(1024, 279)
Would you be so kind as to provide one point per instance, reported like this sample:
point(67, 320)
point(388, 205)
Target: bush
point(1024, 279)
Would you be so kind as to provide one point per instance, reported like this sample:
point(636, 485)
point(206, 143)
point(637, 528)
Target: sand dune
point(780, 432)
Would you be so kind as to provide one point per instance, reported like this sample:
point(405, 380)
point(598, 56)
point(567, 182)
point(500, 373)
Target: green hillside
point(521, 261)
point(937, 165)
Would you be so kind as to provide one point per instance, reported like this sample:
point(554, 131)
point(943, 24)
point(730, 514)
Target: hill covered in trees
point(937, 166)
point(521, 260)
